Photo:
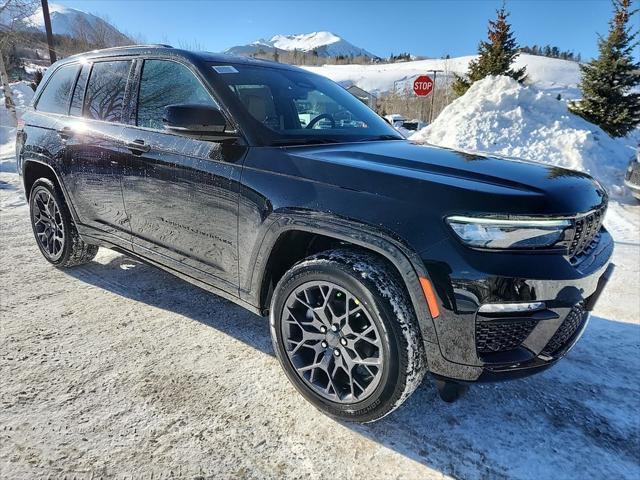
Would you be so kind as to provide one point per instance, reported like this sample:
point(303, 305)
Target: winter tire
point(346, 335)
point(54, 229)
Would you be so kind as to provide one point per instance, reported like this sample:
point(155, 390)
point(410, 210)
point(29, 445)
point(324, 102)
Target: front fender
point(404, 259)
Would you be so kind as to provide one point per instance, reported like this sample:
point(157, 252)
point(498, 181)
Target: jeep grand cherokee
point(376, 259)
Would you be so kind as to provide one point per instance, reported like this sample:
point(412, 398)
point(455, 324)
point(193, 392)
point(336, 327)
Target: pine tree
point(607, 81)
point(496, 55)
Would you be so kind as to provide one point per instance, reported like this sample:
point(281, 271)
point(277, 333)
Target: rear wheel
point(53, 227)
point(346, 335)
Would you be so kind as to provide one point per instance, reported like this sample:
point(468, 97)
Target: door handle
point(138, 146)
point(65, 133)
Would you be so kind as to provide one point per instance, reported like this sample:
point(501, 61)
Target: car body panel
point(92, 170)
point(182, 201)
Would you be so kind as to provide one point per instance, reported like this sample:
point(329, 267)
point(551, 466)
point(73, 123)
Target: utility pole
point(433, 94)
point(47, 26)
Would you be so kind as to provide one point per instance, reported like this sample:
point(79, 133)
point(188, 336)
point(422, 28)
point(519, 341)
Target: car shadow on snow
point(577, 420)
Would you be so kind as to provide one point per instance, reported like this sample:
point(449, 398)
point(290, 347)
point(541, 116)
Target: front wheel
point(53, 227)
point(346, 335)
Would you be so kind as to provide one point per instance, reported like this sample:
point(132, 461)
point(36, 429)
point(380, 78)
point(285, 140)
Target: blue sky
point(430, 27)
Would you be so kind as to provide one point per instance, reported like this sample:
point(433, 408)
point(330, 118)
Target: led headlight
point(508, 234)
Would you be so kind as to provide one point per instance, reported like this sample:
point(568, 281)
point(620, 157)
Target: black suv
point(376, 259)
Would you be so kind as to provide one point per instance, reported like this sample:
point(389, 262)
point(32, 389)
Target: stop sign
point(423, 85)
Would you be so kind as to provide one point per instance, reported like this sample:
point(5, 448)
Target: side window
point(55, 96)
point(165, 83)
point(258, 99)
point(78, 91)
point(104, 99)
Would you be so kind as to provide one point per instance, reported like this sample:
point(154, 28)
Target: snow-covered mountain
point(76, 23)
point(326, 44)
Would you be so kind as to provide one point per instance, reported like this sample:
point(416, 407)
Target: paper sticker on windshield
point(224, 69)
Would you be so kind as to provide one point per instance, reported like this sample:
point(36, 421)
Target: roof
point(176, 52)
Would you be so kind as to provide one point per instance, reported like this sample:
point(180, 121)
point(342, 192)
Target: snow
point(67, 21)
point(305, 42)
point(499, 115)
point(22, 95)
point(559, 76)
point(327, 44)
point(31, 68)
point(63, 19)
point(118, 369)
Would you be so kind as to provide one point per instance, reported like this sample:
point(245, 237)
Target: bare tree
point(13, 14)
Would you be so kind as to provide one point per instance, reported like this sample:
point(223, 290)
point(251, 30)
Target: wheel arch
point(32, 170)
point(301, 235)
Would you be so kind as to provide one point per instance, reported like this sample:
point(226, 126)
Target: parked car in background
point(395, 119)
point(376, 259)
point(632, 177)
point(404, 126)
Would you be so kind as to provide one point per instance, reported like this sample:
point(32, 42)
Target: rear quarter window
point(56, 93)
point(105, 93)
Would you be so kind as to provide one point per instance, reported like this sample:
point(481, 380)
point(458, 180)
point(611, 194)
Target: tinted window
point(104, 99)
point(78, 92)
point(167, 83)
point(55, 97)
point(290, 106)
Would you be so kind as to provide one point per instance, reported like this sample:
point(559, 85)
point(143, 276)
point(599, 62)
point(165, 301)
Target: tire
point(54, 229)
point(378, 328)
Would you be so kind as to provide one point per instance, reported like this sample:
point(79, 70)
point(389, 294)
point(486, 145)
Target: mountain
point(78, 24)
point(326, 44)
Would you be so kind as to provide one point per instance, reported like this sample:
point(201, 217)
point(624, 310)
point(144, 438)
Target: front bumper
point(475, 346)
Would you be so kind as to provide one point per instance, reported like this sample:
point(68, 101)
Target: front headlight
point(509, 234)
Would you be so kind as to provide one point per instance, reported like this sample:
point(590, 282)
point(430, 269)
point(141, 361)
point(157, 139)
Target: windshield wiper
point(303, 141)
point(283, 142)
point(381, 137)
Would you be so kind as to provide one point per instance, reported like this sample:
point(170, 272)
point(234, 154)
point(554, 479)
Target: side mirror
point(197, 119)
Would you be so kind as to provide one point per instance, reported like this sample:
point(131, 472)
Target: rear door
point(95, 152)
point(42, 133)
point(181, 193)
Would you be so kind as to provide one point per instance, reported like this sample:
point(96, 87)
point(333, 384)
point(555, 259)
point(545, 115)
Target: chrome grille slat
point(585, 232)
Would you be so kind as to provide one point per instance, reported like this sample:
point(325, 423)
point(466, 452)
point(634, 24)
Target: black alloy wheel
point(332, 342)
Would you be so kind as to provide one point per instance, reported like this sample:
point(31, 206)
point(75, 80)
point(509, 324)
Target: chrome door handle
point(65, 133)
point(138, 146)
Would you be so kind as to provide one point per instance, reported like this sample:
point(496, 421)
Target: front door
point(181, 193)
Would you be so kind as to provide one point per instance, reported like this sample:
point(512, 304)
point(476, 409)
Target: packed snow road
point(119, 370)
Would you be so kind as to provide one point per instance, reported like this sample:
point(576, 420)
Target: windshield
point(293, 108)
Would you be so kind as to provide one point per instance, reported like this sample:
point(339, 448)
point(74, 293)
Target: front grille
point(569, 327)
point(501, 336)
point(585, 231)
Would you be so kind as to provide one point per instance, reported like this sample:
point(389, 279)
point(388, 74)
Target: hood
point(515, 186)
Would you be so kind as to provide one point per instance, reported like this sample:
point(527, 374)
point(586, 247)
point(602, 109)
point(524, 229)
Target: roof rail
point(150, 45)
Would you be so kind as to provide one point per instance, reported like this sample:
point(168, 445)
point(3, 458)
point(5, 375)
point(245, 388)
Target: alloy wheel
point(48, 224)
point(332, 342)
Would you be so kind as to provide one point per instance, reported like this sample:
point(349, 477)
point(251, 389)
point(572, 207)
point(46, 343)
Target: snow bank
point(559, 76)
point(22, 95)
point(499, 115)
